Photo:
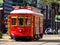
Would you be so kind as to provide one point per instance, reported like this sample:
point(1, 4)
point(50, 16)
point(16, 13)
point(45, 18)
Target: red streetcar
point(25, 24)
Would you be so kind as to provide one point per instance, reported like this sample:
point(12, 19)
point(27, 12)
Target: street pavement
point(45, 37)
point(46, 40)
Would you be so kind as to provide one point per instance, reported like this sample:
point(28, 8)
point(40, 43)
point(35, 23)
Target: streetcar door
point(41, 25)
point(28, 25)
point(20, 23)
point(37, 25)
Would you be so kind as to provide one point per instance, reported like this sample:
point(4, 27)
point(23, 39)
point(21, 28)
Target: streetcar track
point(47, 41)
point(43, 43)
point(30, 41)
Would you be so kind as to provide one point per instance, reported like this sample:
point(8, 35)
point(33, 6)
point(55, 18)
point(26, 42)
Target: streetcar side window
point(20, 20)
point(27, 19)
point(13, 21)
point(41, 21)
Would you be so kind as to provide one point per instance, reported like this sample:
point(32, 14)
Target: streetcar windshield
point(20, 20)
point(13, 21)
point(28, 20)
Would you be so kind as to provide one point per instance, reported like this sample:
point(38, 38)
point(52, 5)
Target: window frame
point(18, 22)
point(12, 21)
point(29, 19)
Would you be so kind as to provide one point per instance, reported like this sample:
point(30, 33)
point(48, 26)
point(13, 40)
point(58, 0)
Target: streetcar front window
point(13, 21)
point(20, 20)
point(28, 20)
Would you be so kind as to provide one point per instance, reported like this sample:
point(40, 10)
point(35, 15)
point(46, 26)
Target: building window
point(20, 2)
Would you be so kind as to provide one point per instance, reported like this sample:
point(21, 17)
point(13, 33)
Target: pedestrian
point(48, 31)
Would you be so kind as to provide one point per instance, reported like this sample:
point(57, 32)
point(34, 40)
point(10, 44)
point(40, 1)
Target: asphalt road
point(47, 40)
point(29, 43)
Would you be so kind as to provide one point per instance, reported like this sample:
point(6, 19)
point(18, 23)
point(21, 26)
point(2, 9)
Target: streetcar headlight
point(20, 30)
point(12, 34)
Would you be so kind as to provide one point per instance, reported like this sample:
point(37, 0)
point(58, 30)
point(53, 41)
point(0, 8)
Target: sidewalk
point(4, 38)
point(51, 37)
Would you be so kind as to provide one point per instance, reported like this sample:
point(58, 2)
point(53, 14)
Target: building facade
point(7, 7)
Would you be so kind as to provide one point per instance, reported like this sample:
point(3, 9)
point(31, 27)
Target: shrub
point(0, 34)
point(54, 32)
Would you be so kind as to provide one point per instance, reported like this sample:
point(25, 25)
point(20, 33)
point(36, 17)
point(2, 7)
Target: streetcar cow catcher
point(25, 24)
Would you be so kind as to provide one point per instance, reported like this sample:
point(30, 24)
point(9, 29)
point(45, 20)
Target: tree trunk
point(54, 11)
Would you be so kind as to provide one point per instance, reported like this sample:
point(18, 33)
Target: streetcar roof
point(23, 11)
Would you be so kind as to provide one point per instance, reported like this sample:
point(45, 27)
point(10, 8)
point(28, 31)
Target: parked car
point(58, 31)
point(48, 31)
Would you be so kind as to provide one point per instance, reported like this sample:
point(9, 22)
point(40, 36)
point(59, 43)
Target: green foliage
point(1, 1)
point(46, 2)
point(57, 17)
point(54, 32)
point(1, 34)
point(6, 23)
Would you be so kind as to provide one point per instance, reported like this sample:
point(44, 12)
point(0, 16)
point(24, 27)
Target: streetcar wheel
point(36, 37)
point(29, 39)
point(16, 39)
point(11, 37)
point(41, 35)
